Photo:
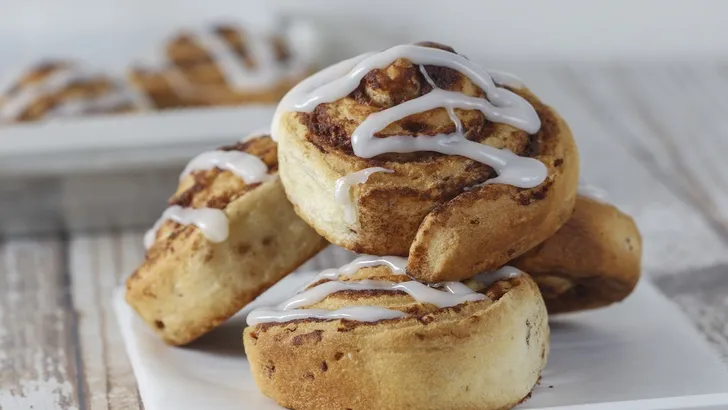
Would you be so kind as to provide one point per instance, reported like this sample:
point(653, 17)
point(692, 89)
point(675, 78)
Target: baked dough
point(424, 208)
point(591, 262)
point(187, 285)
point(478, 355)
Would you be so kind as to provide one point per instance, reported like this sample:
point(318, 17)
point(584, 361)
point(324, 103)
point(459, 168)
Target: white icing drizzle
point(302, 98)
point(357, 313)
point(267, 71)
point(443, 294)
point(489, 278)
point(249, 167)
point(396, 264)
point(450, 110)
point(501, 106)
point(506, 79)
point(590, 191)
point(451, 295)
point(212, 223)
point(343, 188)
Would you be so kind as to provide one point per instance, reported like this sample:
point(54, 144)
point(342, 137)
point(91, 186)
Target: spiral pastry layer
point(442, 211)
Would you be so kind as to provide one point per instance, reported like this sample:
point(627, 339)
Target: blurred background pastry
point(59, 89)
point(224, 64)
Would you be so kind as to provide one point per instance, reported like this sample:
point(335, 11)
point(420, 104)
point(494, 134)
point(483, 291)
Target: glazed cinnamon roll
point(366, 336)
point(223, 65)
point(228, 235)
point(591, 262)
point(429, 156)
point(64, 89)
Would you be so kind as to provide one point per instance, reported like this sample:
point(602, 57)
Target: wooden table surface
point(655, 136)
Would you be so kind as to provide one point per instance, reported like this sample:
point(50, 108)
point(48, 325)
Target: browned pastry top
point(214, 188)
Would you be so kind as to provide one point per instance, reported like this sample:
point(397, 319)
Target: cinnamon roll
point(416, 151)
point(223, 65)
point(228, 235)
point(63, 89)
point(591, 262)
point(368, 337)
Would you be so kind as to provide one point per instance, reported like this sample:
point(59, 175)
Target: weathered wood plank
point(98, 265)
point(684, 123)
point(702, 295)
point(678, 235)
point(37, 328)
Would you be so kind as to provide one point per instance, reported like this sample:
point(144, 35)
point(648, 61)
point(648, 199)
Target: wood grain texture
point(703, 296)
point(98, 266)
point(38, 345)
point(678, 234)
point(654, 136)
point(673, 119)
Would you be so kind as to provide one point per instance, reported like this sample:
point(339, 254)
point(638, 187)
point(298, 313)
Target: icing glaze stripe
point(342, 192)
point(501, 105)
point(249, 168)
point(212, 223)
point(444, 294)
point(357, 313)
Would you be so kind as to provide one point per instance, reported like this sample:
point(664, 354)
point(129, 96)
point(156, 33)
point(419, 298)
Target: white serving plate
point(136, 139)
point(642, 354)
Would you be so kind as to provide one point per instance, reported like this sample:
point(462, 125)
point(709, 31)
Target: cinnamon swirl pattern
point(222, 65)
point(481, 171)
point(366, 336)
point(228, 235)
point(58, 89)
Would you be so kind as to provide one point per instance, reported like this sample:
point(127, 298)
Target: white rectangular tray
point(642, 354)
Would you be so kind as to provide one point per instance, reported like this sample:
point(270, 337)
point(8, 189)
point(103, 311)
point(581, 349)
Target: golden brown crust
point(421, 210)
point(591, 262)
point(83, 89)
point(188, 285)
point(205, 82)
point(496, 350)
